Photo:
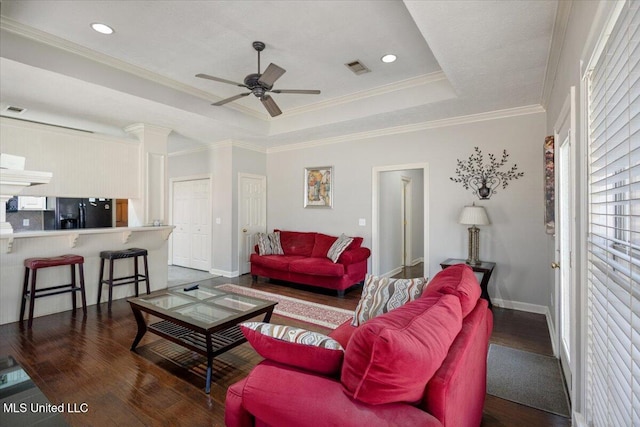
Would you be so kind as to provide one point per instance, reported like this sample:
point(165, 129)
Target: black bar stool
point(32, 265)
point(136, 278)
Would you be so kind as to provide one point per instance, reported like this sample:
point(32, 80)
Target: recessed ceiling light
point(389, 58)
point(102, 28)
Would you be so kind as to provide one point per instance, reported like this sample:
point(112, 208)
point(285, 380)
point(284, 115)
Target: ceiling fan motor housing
point(257, 88)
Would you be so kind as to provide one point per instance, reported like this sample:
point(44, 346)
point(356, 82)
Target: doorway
point(387, 259)
point(564, 238)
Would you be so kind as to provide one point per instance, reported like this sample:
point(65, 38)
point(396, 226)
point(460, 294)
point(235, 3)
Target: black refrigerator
point(83, 213)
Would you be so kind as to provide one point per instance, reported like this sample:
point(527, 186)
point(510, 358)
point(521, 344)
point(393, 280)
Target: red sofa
point(305, 261)
point(449, 316)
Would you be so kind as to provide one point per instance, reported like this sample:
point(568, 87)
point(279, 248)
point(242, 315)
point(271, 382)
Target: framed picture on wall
point(549, 186)
point(318, 187)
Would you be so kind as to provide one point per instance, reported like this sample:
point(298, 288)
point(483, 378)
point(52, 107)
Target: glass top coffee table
point(203, 319)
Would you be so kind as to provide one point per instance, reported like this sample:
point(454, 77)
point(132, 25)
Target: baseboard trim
point(417, 261)
point(224, 273)
point(393, 272)
point(522, 306)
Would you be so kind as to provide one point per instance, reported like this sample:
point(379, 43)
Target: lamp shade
point(473, 215)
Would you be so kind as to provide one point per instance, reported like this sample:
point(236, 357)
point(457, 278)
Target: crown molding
point(220, 144)
point(92, 55)
point(52, 128)
point(454, 121)
point(555, 51)
point(380, 90)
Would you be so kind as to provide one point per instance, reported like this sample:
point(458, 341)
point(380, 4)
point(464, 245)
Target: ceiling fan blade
point(218, 79)
point(308, 92)
point(271, 74)
point(233, 98)
point(271, 105)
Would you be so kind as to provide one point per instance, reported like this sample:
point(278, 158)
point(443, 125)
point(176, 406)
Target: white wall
point(516, 240)
point(83, 164)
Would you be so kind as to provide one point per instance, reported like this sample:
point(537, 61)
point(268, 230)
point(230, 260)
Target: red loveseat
point(305, 261)
point(387, 375)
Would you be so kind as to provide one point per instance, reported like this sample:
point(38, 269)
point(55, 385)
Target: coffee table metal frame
point(209, 338)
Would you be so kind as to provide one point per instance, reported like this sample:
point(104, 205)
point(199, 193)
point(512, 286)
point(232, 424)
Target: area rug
point(527, 378)
point(319, 314)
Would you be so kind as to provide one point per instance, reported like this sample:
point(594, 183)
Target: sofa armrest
point(280, 395)
point(352, 256)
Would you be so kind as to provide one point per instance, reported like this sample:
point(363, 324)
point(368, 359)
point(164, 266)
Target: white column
point(152, 204)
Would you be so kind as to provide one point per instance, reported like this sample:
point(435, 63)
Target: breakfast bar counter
point(18, 246)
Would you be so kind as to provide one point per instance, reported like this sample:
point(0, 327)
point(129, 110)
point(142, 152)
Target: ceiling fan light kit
point(259, 84)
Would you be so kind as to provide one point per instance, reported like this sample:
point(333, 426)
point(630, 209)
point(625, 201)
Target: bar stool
point(136, 278)
point(32, 265)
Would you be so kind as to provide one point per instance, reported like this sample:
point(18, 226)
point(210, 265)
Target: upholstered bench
point(32, 265)
point(111, 281)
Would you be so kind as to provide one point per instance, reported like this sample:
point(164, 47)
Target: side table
point(485, 267)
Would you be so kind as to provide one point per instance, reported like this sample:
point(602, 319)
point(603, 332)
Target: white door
point(200, 225)
point(252, 215)
point(192, 218)
point(565, 226)
point(563, 237)
point(182, 221)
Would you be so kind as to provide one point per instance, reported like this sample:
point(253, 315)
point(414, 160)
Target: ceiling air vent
point(357, 67)
point(16, 110)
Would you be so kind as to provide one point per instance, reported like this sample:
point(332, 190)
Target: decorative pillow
point(297, 347)
point(338, 247)
point(269, 244)
point(382, 294)
point(264, 244)
point(458, 280)
point(274, 240)
point(392, 358)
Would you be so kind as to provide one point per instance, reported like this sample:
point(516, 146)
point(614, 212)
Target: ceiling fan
point(260, 84)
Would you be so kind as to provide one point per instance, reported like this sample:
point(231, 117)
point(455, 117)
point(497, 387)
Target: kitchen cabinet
point(30, 203)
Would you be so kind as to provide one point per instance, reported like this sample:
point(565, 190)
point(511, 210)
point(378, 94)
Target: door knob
point(555, 265)
point(244, 230)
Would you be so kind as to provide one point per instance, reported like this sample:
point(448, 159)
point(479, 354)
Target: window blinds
point(613, 337)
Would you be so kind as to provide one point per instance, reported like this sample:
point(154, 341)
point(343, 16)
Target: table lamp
point(473, 215)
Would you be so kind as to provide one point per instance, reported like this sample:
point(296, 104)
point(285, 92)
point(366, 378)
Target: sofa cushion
point(276, 262)
point(317, 267)
point(458, 280)
point(338, 247)
point(392, 357)
point(297, 347)
point(382, 294)
point(297, 243)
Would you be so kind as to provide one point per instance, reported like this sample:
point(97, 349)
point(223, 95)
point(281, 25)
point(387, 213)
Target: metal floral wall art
point(484, 178)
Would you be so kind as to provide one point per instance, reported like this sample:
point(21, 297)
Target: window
point(613, 337)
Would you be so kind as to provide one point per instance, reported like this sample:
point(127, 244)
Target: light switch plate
point(218, 220)
point(362, 222)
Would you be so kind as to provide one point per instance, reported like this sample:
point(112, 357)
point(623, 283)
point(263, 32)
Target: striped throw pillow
point(294, 335)
point(264, 244)
point(269, 244)
point(276, 246)
point(297, 347)
point(383, 294)
point(338, 247)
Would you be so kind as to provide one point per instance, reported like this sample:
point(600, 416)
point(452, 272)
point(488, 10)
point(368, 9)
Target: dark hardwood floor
point(75, 360)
